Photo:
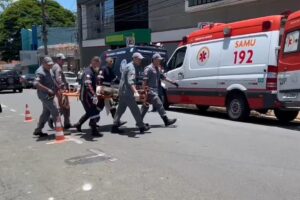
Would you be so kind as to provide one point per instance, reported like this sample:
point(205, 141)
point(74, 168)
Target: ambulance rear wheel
point(285, 116)
point(202, 109)
point(237, 108)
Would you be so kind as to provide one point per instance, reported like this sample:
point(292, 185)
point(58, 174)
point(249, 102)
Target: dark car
point(27, 80)
point(10, 80)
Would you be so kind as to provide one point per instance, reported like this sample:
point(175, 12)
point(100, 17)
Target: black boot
point(95, 132)
point(80, 122)
point(115, 129)
point(146, 127)
point(168, 121)
point(39, 133)
point(68, 126)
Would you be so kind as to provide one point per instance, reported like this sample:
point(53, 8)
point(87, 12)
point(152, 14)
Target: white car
point(72, 81)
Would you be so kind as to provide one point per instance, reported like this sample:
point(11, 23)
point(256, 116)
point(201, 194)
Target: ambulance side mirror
point(227, 32)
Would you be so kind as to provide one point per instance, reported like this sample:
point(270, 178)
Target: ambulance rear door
point(289, 63)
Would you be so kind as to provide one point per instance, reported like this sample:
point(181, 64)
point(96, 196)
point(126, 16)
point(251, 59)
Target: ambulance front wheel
point(237, 108)
point(285, 116)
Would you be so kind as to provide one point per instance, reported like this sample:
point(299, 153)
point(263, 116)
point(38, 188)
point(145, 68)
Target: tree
point(24, 14)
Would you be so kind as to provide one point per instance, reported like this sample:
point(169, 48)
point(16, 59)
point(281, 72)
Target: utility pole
point(79, 34)
point(44, 27)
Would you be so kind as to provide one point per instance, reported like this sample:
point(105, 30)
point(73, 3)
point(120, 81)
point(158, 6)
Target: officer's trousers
point(154, 99)
point(92, 112)
point(124, 102)
point(64, 109)
point(49, 108)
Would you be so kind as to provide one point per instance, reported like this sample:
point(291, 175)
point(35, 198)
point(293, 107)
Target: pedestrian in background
point(46, 90)
point(89, 98)
point(128, 95)
point(63, 101)
point(152, 80)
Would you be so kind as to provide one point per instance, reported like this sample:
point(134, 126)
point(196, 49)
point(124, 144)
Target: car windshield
point(70, 75)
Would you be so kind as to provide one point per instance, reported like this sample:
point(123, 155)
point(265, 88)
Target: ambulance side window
point(177, 59)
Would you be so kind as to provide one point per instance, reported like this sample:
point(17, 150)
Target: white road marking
point(95, 151)
point(13, 110)
point(113, 159)
point(68, 139)
point(87, 187)
point(3, 106)
point(77, 141)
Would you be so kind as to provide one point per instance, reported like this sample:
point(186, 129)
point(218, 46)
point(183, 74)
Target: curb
point(270, 113)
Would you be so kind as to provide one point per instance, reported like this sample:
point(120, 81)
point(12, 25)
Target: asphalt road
point(204, 157)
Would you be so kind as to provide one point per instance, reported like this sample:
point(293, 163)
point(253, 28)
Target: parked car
point(10, 80)
point(27, 80)
point(72, 81)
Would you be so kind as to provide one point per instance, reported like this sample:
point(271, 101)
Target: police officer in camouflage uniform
point(152, 77)
point(89, 98)
point(128, 95)
point(46, 89)
point(64, 105)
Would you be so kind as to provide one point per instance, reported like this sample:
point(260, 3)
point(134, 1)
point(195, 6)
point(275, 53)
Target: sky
point(68, 4)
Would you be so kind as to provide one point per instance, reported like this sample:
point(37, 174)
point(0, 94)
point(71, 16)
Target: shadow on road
point(87, 136)
point(50, 137)
point(8, 92)
point(260, 120)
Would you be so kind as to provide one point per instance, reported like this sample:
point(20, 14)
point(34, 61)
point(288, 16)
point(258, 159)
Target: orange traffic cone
point(28, 117)
point(59, 131)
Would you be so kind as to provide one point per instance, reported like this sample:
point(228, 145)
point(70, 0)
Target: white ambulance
point(236, 66)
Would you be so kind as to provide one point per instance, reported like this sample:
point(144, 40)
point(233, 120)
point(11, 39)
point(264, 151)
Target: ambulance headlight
point(227, 32)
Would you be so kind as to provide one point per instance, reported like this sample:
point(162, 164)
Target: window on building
point(201, 2)
point(109, 12)
point(131, 14)
point(199, 5)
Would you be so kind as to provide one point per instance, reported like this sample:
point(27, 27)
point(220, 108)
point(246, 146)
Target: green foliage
point(24, 14)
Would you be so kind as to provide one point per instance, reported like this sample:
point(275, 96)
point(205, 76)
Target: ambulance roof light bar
point(227, 32)
point(286, 13)
point(184, 40)
point(266, 25)
point(202, 25)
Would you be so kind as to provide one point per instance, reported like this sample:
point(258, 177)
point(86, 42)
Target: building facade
point(105, 24)
point(60, 40)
